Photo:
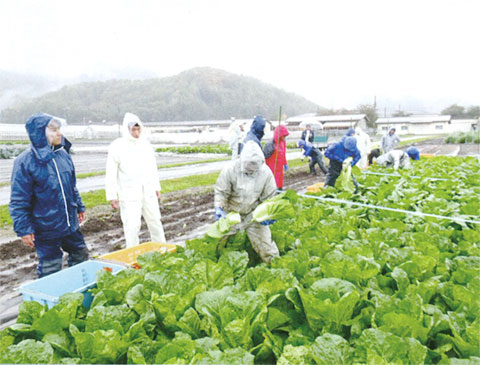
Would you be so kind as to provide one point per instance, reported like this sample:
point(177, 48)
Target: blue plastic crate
point(75, 279)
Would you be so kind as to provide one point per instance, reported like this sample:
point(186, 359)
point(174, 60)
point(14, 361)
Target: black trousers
point(334, 171)
point(317, 159)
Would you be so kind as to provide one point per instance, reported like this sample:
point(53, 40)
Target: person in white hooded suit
point(132, 184)
point(363, 145)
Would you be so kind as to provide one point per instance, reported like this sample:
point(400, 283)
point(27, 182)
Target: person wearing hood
point(45, 205)
point(276, 158)
point(237, 135)
point(350, 133)
point(363, 145)
point(398, 159)
point(241, 186)
point(131, 182)
point(316, 157)
point(337, 153)
point(257, 130)
point(389, 141)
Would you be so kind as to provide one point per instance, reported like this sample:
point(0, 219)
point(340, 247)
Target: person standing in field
point(307, 134)
point(45, 205)
point(389, 141)
point(237, 134)
point(276, 154)
point(363, 145)
point(131, 182)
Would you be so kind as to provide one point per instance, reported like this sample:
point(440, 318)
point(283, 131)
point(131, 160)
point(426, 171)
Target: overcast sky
point(336, 53)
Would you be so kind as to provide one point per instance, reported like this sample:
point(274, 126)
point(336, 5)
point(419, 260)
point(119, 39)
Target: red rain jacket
point(281, 151)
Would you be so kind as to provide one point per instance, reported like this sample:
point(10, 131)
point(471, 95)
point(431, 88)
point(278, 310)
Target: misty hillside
point(196, 94)
point(16, 87)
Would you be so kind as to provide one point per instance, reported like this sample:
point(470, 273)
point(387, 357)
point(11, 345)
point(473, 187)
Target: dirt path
point(185, 215)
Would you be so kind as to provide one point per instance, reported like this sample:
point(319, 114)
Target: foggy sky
point(335, 53)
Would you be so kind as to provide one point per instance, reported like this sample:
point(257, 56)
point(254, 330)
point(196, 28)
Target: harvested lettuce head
point(222, 226)
point(278, 207)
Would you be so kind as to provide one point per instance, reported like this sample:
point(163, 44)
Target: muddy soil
point(437, 147)
point(185, 215)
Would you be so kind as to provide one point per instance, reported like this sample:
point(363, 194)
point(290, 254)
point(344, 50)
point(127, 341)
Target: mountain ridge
point(200, 93)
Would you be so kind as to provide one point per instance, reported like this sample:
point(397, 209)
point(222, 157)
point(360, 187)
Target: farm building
point(426, 124)
point(330, 122)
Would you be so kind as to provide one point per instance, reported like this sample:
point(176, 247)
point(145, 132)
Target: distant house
point(330, 122)
point(425, 124)
point(464, 125)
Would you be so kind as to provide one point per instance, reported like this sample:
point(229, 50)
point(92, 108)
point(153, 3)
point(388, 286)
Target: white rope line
point(414, 177)
point(418, 214)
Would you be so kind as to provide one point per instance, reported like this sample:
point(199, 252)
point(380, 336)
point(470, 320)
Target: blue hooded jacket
point(350, 133)
point(413, 153)
point(44, 199)
point(308, 148)
point(256, 131)
point(338, 152)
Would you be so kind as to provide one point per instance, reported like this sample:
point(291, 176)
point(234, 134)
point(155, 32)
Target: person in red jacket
point(277, 160)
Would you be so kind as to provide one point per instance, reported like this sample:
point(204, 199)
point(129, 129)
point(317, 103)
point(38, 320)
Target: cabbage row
point(352, 285)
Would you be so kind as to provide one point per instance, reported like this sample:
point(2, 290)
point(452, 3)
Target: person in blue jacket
point(256, 131)
point(413, 153)
point(314, 153)
point(339, 152)
point(45, 205)
point(350, 133)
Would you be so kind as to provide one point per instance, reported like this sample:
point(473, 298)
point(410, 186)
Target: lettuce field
point(353, 285)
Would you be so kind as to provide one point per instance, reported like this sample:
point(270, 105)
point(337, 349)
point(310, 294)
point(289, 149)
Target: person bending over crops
point(316, 156)
point(275, 153)
point(241, 187)
point(337, 153)
point(398, 159)
point(374, 154)
point(131, 182)
point(45, 205)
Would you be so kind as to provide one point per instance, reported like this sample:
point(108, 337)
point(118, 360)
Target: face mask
point(250, 167)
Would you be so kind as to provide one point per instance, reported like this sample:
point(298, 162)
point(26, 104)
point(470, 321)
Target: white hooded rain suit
point(236, 137)
point(363, 145)
point(132, 178)
point(241, 187)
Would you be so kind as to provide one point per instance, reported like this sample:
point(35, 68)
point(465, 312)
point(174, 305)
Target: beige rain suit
point(241, 187)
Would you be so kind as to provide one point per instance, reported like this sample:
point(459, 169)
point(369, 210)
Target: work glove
point(285, 167)
point(219, 213)
point(268, 222)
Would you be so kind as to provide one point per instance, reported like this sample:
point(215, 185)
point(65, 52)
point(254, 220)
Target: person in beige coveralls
point(241, 187)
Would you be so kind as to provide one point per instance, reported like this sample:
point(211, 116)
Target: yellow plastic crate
point(129, 255)
point(315, 188)
point(426, 155)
